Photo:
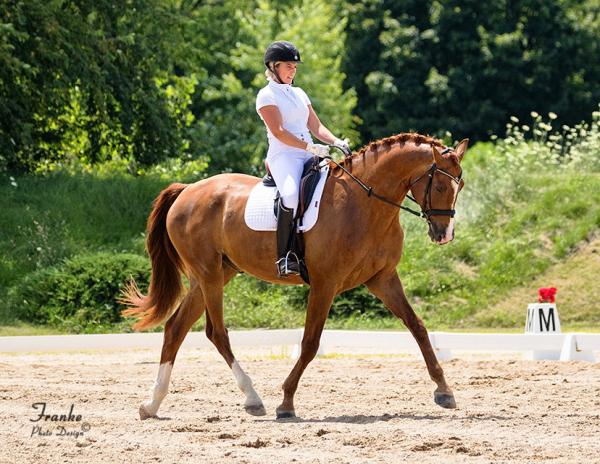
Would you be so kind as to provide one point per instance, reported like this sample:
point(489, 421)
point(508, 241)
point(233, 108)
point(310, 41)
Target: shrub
point(251, 303)
point(358, 301)
point(81, 293)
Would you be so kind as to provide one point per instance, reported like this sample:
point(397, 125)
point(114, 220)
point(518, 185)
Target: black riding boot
point(287, 261)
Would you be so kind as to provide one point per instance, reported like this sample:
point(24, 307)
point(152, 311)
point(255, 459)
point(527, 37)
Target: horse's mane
point(387, 142)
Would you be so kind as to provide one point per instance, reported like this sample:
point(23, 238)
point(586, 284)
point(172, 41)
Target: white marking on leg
point(245, 384)
point(160, 389)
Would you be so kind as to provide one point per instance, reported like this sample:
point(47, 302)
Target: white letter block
point(542, 318)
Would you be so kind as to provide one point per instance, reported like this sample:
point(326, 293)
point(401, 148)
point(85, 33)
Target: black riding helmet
point(281, 51)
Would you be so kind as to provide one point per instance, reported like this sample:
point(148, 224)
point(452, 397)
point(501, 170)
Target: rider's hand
point(317, 149)
point(343, 144)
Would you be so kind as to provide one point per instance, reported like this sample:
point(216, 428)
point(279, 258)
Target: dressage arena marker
point(572, 346)
point(542, 318)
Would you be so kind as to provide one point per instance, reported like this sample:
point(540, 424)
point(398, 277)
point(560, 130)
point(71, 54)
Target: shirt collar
point(276, 85)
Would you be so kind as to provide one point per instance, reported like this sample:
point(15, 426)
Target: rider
point(289, 116)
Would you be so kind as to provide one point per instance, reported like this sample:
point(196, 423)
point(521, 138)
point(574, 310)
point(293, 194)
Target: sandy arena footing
point(351, 409)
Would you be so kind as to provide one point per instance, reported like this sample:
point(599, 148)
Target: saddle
point(308, 183)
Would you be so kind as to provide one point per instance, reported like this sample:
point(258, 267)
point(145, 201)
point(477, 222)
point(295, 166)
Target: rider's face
point(287, 71)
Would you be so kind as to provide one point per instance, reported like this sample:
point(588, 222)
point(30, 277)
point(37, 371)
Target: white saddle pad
point(259, 213)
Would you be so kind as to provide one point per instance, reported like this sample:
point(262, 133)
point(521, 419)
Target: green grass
point(46, 219)
point(23, 328)
point(506, 248)
point(516, 220)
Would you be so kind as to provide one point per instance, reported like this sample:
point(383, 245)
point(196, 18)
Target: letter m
point(546, 322)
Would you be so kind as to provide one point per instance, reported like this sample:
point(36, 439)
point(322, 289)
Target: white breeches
point(286, 169)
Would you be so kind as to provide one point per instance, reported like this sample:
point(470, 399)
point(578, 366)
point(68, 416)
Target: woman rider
point(290, 119)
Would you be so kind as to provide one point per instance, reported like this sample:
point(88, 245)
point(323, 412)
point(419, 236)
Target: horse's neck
point(388, 171)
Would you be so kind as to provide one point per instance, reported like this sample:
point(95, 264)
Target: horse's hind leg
point(176, 328)
point(212, 288)
point(388, 288)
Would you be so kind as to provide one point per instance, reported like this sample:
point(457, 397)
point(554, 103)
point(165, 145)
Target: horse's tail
point(165, 281)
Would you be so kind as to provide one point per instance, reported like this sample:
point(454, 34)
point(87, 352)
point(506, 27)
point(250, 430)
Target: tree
point(467, 66)
point(89, 79)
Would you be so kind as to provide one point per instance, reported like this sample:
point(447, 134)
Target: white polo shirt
point(292, 103)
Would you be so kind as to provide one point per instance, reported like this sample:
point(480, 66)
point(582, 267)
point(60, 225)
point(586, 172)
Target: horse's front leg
point(387, 287)
point(319, 303)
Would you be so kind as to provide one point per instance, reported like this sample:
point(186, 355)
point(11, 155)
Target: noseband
point(424, 213)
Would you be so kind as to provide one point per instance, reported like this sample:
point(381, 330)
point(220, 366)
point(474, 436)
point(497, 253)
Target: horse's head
point(436, 190)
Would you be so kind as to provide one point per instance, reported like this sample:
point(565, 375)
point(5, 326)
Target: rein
point(424, 213)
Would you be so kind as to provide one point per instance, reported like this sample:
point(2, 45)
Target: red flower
point(547, 295)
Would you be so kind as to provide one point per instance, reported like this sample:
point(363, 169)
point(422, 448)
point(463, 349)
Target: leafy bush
point(81, 293)
point(358, 301)
point(249, 302)
point(92, 80)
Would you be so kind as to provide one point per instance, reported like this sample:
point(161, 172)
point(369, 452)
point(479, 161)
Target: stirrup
point(289, 267)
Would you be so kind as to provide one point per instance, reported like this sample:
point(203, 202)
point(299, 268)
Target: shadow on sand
point(362, 419)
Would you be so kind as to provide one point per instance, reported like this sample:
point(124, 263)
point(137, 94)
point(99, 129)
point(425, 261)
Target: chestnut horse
point(199, 230)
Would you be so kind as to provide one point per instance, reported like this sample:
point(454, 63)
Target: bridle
point(425, 213)
point(428, 211)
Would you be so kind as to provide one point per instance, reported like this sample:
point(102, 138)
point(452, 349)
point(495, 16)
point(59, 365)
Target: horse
point(199, 230)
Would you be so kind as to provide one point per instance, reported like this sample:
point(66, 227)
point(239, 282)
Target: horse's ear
point(461, 149)
point(437, 156)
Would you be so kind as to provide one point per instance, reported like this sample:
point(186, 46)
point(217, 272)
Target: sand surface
point(352, 408)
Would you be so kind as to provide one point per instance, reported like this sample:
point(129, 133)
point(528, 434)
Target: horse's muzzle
point(441, 234)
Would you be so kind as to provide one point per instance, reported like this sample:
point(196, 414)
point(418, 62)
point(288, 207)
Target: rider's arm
point(272, 118)
point(316, 127)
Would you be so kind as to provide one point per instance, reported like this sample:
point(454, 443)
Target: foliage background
point(145, 80)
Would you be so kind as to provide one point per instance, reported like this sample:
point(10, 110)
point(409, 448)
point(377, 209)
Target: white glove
point(317, 149)
point(343, 144)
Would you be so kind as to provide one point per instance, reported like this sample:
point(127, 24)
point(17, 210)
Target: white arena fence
point(565, 346)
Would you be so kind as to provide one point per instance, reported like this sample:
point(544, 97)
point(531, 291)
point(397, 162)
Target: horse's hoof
point(285, 414)
point(144, 414)
point(256, 409)
point(445, 400)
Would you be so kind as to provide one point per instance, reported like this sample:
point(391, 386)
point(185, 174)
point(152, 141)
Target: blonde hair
point(269, 73)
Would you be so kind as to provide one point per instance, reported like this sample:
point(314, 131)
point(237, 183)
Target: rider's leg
point(287, 261)
point(287, 172)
